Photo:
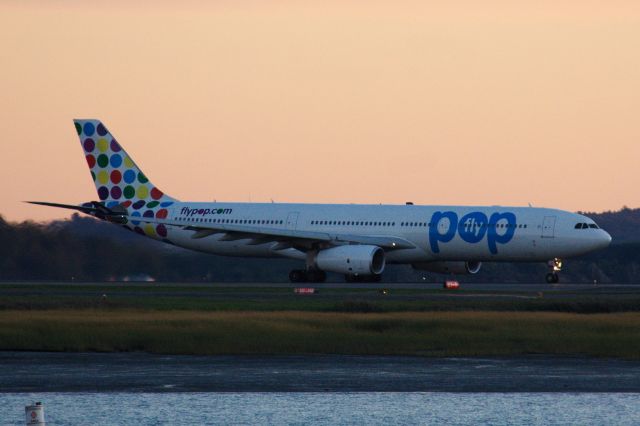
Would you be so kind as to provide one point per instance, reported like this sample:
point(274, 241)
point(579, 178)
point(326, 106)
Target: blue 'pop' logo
point(472, 228)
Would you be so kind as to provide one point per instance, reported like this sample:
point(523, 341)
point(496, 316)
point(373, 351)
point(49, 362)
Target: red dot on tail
point(156, 194)
point(162, 214)
point(91, 161)
point(116, 176)
point(161, 230)
point(126, 204)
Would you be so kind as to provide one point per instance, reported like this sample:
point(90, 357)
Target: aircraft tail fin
point(118, 180)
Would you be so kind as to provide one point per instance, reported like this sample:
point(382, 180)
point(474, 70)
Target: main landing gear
point(310, 276)
point(556, 266)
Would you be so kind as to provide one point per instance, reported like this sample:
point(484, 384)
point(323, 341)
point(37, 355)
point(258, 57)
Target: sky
point(458, 102)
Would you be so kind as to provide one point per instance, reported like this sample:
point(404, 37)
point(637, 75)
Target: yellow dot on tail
point(149, 230)
point(103, 145)
point(127, 162)
point(143, 192)
point(103, 177)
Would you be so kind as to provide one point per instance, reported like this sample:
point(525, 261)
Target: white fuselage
point(439, 233)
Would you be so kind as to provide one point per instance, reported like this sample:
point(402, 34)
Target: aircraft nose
point(603, 239)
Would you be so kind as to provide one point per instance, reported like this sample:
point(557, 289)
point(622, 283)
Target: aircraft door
point(549, 227)
point(292, 220)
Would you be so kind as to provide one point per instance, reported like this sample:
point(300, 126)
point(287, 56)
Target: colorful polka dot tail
point(119, 181)
point(117, 178)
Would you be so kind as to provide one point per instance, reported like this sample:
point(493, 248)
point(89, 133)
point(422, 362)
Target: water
point(296, 408)
point(138, 372)
point(144, 389)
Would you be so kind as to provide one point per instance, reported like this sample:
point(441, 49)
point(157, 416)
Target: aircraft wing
point(286, 237)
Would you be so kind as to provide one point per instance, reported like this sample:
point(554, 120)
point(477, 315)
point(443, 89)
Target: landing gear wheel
point(298, 276)
point(555, 266)
point(553, 278)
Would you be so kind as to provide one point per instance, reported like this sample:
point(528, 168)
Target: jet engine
point(443, 267)
point(352, 260)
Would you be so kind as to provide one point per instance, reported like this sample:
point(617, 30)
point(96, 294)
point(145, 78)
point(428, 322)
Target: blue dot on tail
point(129, 176)
point(89, 128)
point(116, 160)
point(135, 214)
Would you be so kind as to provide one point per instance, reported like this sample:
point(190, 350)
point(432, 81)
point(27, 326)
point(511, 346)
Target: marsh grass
point(293, 332)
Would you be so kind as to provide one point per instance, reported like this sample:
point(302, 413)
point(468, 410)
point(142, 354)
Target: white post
point(35, 414)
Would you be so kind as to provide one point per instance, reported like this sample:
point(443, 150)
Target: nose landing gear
point(556, 266)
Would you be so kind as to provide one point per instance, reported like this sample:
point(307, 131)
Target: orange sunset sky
point(436, 102)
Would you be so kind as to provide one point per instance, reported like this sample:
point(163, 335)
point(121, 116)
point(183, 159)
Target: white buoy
point(35, 414)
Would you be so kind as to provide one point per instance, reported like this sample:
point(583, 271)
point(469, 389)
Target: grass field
point(211, 319)
point(397, 333)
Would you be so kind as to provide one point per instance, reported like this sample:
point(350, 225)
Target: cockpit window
point(586, 226)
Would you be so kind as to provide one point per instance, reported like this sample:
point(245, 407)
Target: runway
point(525, 287)
point(136, 372)
point(144, 291)
point(502, 287)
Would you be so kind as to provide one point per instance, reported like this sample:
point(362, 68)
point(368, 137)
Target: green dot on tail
point(103, 160)
point(129, 192)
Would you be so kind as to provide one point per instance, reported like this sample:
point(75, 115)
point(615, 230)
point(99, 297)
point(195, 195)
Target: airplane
point(357, 241)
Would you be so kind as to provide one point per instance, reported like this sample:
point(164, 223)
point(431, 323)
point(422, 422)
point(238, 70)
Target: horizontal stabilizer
point(83, 209)
point(117, 214)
